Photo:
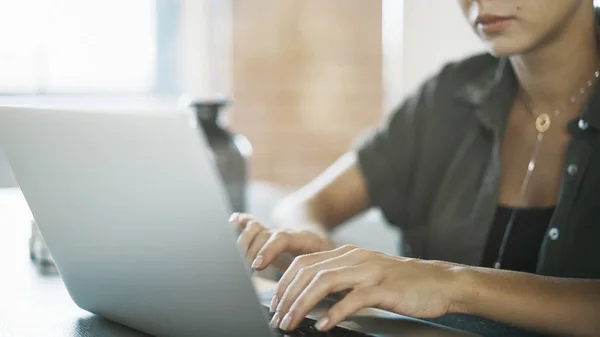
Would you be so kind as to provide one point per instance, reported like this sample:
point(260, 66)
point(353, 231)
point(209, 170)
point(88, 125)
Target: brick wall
point(306, 81)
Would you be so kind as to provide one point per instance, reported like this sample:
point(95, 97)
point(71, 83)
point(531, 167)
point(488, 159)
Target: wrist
point(319, 235)
point(308, 238)
point(465, 290)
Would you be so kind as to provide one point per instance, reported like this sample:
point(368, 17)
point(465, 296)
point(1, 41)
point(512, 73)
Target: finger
point(304, 261)
point(240, 220)
point(325, 282)
point(357, 299)
point(259, 241)
point(233, 217)
point(248, 234)
point(277, 244)
point(298, 243)
point(319, 273)
point(304, 278)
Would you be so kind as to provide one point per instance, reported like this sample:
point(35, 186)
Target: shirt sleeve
point(386, 154)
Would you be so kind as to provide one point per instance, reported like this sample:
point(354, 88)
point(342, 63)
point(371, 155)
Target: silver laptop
point(135, 215)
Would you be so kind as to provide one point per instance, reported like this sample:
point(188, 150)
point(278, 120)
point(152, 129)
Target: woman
point(493, 165)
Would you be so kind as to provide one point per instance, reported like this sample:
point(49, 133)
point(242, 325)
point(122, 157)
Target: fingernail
point(257, 261)
point(274, 302)
point(285, 323)
point(275, 320)
point(233, 217)
point(322, 323)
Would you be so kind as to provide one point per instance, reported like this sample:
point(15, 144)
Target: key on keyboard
point(307, 329)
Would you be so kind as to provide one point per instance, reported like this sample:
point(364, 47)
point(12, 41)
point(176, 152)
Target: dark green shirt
point(433, 168)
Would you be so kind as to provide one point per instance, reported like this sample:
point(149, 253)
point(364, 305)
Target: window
point(88, 47)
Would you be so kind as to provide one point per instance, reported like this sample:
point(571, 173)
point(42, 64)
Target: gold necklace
point(542, 124)
point(543, 121)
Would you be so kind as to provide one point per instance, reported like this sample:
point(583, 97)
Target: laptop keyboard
point(307, 329)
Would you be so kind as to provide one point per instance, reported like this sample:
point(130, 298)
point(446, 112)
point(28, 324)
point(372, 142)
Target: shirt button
point(572, 169)
point(583, 125)
point(554, 234)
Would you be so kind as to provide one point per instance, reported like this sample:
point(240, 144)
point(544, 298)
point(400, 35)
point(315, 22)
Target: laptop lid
point(134, 213)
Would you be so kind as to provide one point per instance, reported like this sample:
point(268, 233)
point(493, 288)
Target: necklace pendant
point(542, 123)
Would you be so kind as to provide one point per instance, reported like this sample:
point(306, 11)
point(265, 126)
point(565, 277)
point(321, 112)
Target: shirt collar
point(491, 94)
point(591, 112)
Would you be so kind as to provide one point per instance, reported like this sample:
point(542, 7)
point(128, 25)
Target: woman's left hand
point(410, 287)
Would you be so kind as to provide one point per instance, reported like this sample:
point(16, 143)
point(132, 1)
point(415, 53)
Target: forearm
point(336, 195)
point(566, 307)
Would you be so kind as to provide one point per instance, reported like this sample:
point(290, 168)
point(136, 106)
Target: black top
point(524, 241)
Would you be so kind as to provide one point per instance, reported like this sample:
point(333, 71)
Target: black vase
point(231, 151)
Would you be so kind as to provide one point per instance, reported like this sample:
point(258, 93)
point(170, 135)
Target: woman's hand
point(263, 246)
point(416, 288)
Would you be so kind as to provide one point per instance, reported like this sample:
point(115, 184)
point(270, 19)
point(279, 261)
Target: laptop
point(134, 213)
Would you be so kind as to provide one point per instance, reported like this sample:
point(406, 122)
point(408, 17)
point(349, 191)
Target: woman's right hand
point(263, 246)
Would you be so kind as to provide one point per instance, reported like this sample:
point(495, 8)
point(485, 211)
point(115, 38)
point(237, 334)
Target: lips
point(488, 19)
point(493, 24)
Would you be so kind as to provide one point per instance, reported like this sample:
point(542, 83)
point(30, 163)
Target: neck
point(557, 70)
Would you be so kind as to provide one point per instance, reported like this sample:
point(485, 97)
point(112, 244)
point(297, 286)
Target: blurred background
point(305, 77)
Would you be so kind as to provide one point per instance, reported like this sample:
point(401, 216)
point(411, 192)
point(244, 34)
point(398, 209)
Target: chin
point(501, 46)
